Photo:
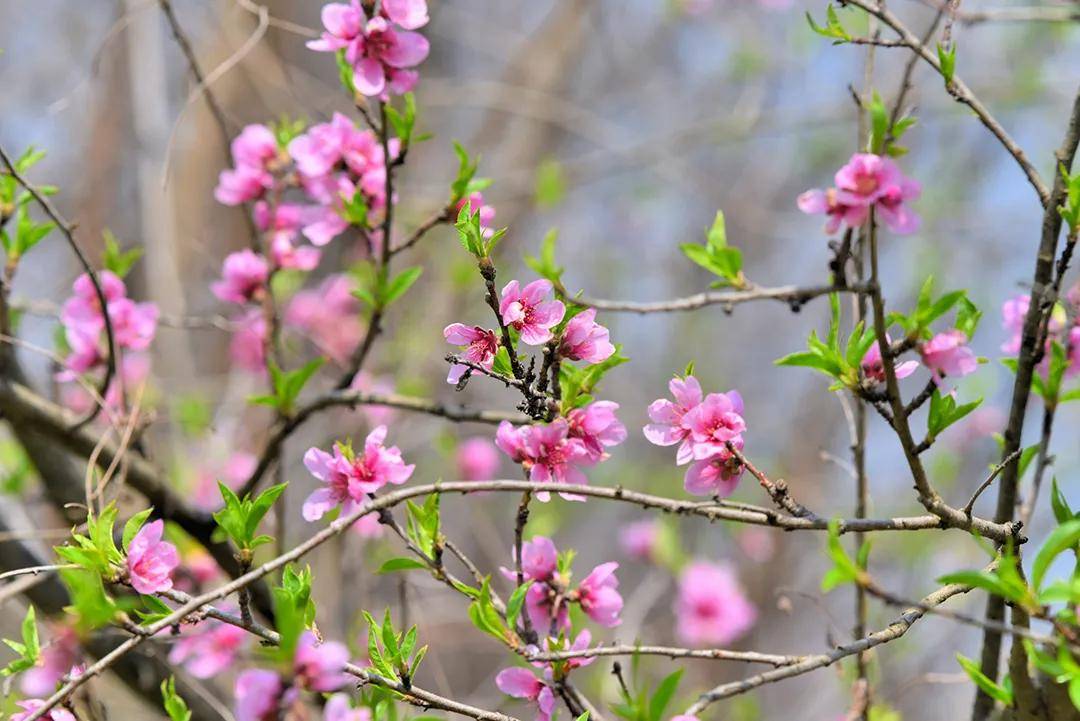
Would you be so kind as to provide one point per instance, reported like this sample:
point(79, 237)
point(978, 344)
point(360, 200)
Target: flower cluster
point(1063, 328)
point(133, 325)
point(556, 452)
point(350, 477)
point(548, 599)
point(868, 182)
point(382, 49)
point(703, 427)
point(262, 694)
point(210, 649)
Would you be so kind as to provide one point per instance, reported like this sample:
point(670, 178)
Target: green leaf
point(133, 525)
point(663, 694)
point(466, 172)
point(1060, 506)
point(995, 691)
point(550, 184)
point(1062, 538)
point(116, 260)
point(947, 60)
point(401, 284)
point(879, 124)
point(515, 603)
point(944, 412)
point(402, 564)
point(175, 707)
point(403, 121)
point(832, 29)
point(544, 264)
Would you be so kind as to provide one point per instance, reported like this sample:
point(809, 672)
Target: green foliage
point(286, 386)
point(472, 235)
point(648, 704)
point(193, 414)
point(544, 264)
point(96, 551)
point(842, 363)
point(579, 384)
point(550, 184)
point(928, 309)
point(466, 181)
point(294, 610)
point(422, 525)
point(393, 654)
point(844, 569)
point(1003, 580)
point(833, 28)
point(345, 73)
point(91, 606)
point(29, 650)
point(486, 617)
point(944, 412)
point(175, 707)
point(119, 262)
point(402, 564)
point(1063, 668)
point(403, 121)
point(947, 60)
point(285, 130)
point(884, 134)
point(1070, 211)
point(999, 692)
point(716, 256)
point(516, 603)
point(239, 519)
point(15, 203)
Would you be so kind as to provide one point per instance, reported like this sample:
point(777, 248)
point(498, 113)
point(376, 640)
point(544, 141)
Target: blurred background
point(626, 124)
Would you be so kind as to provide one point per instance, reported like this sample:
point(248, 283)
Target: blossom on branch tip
point(527, 310)
point(480, 346)
point(866, 182)
point(714, 422)
point(599, 597)
point(584, 339)
point(596, 426)
point(874, 370)
point(150, 560)
point(548, 453)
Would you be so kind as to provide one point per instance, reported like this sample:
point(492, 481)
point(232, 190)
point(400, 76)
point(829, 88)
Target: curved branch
point(792, 295)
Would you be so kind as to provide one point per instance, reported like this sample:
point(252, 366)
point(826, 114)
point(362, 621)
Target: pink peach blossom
point(56, 659)
point(339, 708)
point(639, 539)
point(596, 426)
point(866, 181)
point(31, 705)
point(714, 422)
point(522, 683)
point(585, 340)
point(548, 453)
point(253, 152)
point(667, 427)
point(873, 369)
point(716, 475)
point(351, 477)
point(480, 346)
point(247, 350)
point(320, 667)
point(242, 276)
point(211, 648)
point(529, 313)
point(599, 597)
point(258, 694)
point(329, 316)
point(947, 354)
point(711, 608)
point(150, 561)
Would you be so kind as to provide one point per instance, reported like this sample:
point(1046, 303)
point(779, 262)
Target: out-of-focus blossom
point(254, 151)
point(247, 349)
point(318, 666)
point(757, 543)
point(339, 708)
point(258, 694)
point(529, 312)
point(150, 560)
point(56, 659)
point(711, 608)
point(209, 649)
point(329, 316)
point(480, 346)
point(243, 275)
point(31, 705)
point(585, 340)
point(639, 539)
point(365, 382)
point(236, 470)
point(477, 459)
